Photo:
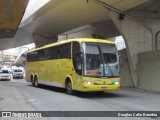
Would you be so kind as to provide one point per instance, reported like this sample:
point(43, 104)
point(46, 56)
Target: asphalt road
point(47, 98)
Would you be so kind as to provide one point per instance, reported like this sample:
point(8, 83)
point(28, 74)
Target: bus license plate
point(104, 88)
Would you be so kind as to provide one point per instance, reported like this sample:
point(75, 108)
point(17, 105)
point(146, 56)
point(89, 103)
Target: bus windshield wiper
point(110, 69)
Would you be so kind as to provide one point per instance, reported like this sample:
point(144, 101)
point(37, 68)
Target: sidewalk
point(12, 100)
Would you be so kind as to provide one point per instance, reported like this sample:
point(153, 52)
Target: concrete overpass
point(56, 17)
point(137, 21)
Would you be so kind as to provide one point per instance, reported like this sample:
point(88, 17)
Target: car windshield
point(100, 60)
point(17, 70)
point(5, 71)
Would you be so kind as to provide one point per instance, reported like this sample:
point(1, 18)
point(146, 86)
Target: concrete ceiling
point(123, 5)
point(151, 8)
point(65, 15)
point(11, 13)
point(70, 14)
point(60, 16)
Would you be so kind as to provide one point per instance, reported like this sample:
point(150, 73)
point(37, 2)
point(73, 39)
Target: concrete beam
point(102, 29)
point(11, 13)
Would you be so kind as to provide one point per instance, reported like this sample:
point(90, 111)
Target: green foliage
point(6, 59)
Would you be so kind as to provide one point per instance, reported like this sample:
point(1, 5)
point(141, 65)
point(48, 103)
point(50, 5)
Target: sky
point(120, 43)
point(32, 7)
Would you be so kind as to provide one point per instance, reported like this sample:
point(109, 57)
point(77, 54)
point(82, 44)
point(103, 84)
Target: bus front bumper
point(113, 87)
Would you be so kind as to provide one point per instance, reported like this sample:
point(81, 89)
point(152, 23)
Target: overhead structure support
point(138, 38)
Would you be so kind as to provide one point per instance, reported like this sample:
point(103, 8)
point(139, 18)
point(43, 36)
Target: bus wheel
point(69, 87)
point(32, 81)
point(36, 82)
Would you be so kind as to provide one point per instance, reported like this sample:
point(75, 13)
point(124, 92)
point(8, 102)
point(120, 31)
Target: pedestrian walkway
point(12, 100)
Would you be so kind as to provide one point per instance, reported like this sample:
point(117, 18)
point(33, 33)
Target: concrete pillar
point(138, 38)
point(149, 70)
point(79, 34)
point(152, 19)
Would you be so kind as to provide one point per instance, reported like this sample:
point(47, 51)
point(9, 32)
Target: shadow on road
point(4, 80)
point(97, 95)
point(84, 94)
point(51, 88)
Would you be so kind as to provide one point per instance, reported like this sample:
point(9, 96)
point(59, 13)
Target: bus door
point(77, 64)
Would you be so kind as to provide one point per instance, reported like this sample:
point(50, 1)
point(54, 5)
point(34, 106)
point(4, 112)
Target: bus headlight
point(89, 82)
point(116, 82)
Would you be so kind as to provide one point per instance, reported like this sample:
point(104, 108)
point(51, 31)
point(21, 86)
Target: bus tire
point(32, 81)
point(69, 87)
point(36, 82)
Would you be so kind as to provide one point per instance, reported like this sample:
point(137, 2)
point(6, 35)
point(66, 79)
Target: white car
point(18, 73)
point(5, 74)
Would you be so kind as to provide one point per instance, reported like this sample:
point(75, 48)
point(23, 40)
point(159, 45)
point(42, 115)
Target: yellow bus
point(84, 64)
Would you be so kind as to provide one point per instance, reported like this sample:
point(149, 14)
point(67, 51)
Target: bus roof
point(71, 40)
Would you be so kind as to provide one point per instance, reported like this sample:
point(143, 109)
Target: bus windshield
point(100, 60)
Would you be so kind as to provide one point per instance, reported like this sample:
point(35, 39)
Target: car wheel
point(69, 87)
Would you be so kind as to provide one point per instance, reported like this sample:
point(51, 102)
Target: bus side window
point(52, 52)
point(39, 55)
point(28, 57)
point(66, 52)
point(47, 54)
point(57, 51)
point(77, 59)
point(60, 51)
